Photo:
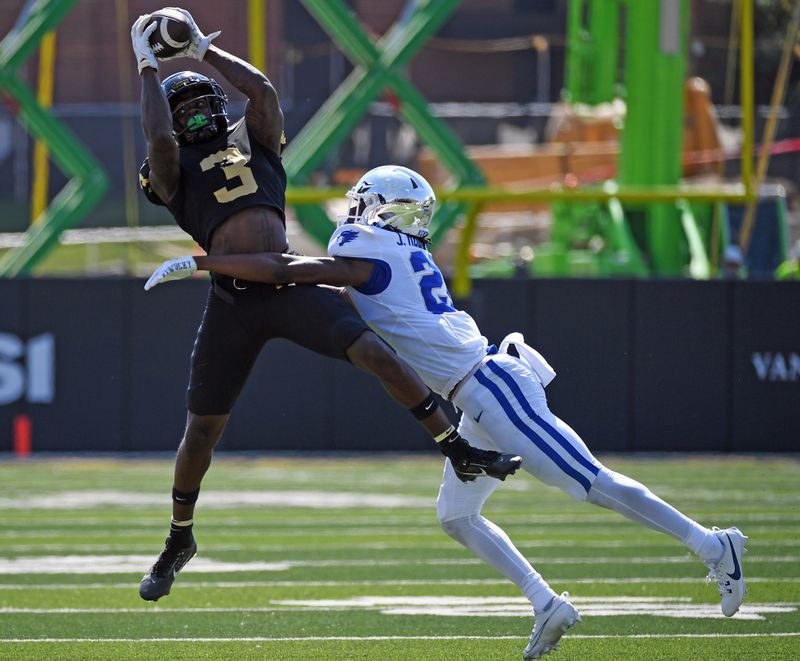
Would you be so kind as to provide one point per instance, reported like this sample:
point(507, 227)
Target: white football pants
point(504, 408)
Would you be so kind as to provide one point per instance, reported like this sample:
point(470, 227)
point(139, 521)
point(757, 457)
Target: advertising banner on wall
point(100, 365)
point(765, 366)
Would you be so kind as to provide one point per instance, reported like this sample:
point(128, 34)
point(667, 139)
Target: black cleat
point(486, 462)
point(157, 582)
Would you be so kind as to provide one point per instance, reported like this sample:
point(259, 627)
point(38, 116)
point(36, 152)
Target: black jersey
point(220, 177)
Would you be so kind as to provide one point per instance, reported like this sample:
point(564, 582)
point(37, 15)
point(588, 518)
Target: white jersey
point(406, 302)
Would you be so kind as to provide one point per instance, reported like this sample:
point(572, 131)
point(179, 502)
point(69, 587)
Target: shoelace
point(167, 558)
point(719, 576)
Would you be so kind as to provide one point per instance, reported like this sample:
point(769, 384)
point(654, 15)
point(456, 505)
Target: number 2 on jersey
point(431, 283)
point(233, 164)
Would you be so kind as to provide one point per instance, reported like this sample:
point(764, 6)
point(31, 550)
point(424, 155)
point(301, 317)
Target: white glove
point(140, 33)
point(199, 43)
point(173, 269)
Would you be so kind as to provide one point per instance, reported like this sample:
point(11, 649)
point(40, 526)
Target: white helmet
point(394, 197)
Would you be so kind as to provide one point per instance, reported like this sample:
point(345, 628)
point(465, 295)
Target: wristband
point(452, 446)
point(447, 435)
point(426, 408)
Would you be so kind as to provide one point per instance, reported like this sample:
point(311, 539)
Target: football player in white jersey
point(380, 254)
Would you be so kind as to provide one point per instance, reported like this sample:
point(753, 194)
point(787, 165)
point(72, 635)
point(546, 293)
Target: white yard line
point(557, 547)
point(453, 606)
point(265, 639)
point(440, 581)
point(319, 499)
point(85, 564)
point(86, 499)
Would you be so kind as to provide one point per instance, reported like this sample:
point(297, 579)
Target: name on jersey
point(413, 241)
point(347, 236)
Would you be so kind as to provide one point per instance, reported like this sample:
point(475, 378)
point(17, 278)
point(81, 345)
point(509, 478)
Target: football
point(172, 34)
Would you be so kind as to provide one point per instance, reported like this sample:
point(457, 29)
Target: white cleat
point(550, 625)
point(728, 572)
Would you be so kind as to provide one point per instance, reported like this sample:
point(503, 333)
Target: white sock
point(536, 589)
point(705, 544)
point(493, 546)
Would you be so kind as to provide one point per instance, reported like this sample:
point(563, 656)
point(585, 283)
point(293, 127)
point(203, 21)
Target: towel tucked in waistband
point(530, 356)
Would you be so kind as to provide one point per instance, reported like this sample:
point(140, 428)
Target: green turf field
point(342, 558)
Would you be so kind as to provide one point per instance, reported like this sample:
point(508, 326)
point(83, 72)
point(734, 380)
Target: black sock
point(180, 532)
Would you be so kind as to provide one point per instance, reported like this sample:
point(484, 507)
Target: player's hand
point(173, 269)
point(498, 465)
point(470, 462)
point(199, 43)
point(140, 34)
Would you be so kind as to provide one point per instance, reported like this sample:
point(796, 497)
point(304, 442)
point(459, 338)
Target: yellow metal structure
point(41, 156)
point(734, 193)
point(257, 33)
point(747, 96)
point(778, 93)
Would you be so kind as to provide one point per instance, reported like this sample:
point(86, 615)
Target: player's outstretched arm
point(272, 268)
point(405, 387)
point(263, 111)
point(399, 379)
point(162, 150)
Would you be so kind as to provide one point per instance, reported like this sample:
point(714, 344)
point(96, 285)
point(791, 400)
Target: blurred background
point(608, 170)
point(535, 91)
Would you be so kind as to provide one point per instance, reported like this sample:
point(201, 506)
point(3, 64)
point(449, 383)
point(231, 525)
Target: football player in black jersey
point(225, 184)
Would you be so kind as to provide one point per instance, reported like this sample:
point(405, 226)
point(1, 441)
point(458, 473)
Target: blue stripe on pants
point(513, 386)
point(530, 433)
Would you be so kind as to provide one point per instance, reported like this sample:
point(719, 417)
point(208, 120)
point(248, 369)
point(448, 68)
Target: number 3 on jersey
point(431, 284)
point(233, 164)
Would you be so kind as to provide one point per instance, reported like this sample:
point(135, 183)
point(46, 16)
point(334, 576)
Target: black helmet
point(199, 126)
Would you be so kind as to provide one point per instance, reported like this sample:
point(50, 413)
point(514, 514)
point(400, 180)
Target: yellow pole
point(130, 167)
point(746, 83)
point(257, 33)
point(461, 281)
point(727, 193)
point(778, 92)
point(733, 50)
point(41, 166)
